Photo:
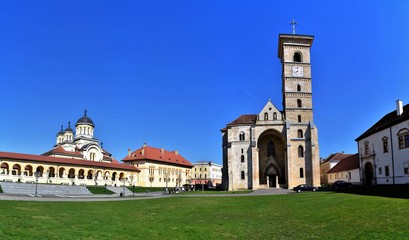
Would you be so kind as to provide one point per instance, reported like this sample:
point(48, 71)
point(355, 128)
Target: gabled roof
point(245, 119)
point(387, 121)
point(66, 161)
point(336, 157)
point(147, 153)
point(349, 163)
point(59, 150)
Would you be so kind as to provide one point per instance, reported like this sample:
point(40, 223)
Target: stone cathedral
point(277, 149)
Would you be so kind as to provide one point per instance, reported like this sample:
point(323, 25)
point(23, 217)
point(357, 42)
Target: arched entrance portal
point(271, 159)
point(368, 174)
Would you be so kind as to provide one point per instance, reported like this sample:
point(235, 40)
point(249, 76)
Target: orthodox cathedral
point(277, 148)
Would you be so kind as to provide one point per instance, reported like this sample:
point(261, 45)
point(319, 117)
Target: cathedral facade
point(277, 149)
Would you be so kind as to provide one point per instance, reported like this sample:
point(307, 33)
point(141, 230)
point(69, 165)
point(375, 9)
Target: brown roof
point(245, 119)
point(147, 153)
point(67, 161)
point(349, 163)
point(387, 121)
point(60, 150)
point(336, 156)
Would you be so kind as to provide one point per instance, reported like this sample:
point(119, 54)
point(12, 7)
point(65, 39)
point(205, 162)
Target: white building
point(205, 171)
point(384, 149)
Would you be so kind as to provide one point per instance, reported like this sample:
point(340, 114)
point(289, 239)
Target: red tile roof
point(67, 161)
point(349, 163)
point(245, 119)
point(387, 121)
point(336, 156)
point(60, 150)
point(147, 153)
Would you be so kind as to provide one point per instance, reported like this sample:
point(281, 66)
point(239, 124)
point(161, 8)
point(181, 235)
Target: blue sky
point(173, 73)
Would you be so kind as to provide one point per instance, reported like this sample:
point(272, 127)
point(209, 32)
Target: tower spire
point(293, 22)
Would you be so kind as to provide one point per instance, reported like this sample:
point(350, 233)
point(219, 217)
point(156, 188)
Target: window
point(387, 171)
point(274, 116)
point(380, 171)
point(242, 151)
point(299, 118)
point(242, 175)
point(403, 138)
point(301, 173)
point(299, 133)
point(271, 149)
point(298, 88)
point(297, 57)
point(300, 151)
point(265, 116)
point(299, 103)
point(242, 158)
point(366, 148)
point(385, 144)
point(406, 168)
point(241, 136)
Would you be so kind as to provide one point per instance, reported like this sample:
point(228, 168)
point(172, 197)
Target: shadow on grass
point(390, 191)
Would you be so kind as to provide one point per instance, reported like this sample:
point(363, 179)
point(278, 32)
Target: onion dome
point(61, 132)
point(69, 129)
point(85, 120)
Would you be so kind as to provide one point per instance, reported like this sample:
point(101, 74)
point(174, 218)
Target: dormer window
point(275, 116)
point(297, 57)
point(265, 116)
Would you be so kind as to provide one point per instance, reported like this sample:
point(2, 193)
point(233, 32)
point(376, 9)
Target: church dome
point(68, 129)
point(85, 120)
point(61, 132)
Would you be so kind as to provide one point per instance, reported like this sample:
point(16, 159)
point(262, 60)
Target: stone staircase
point(119, 190)
point(44, 189)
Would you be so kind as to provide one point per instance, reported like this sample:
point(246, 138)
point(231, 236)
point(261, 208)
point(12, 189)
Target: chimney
point(144, 145)
point(399, 107)
point(129, 152)
point(162, 150)
point(176, 152)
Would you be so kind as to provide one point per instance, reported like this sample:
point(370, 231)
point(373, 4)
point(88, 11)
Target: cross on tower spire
point(293, 22)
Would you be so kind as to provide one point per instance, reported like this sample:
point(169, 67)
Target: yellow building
point(159, 168)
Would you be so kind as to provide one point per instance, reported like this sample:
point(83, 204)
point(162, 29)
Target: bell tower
point(301, 133)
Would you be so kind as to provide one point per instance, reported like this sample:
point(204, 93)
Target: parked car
point(341, 185)
point(305, 187)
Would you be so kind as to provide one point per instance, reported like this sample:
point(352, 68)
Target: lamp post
point(37, 174)
point(125, 179)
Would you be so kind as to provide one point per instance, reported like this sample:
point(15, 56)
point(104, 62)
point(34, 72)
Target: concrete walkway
point(131, 197)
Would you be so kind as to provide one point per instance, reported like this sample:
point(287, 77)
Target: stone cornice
point(298, 94)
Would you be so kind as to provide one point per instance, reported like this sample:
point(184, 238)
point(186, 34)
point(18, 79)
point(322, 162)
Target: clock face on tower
point(297, 71)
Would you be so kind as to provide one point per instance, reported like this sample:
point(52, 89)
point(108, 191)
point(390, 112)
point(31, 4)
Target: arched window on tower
point(242, 175)
point(242, 158)
point(299, 103)
point(301, 173)
point(300, 151)
point(297, 57)
point(298, 88)
point(300, 133)
point(299, 118)
point(265, 116)
point(241, 136)
point(275, 116)
point(271, 149)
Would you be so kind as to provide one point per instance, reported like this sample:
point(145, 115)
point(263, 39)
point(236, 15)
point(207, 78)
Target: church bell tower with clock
point(301, 133)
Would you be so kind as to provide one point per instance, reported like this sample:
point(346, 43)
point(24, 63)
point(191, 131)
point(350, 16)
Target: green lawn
point(99, 190)
point(320, 215)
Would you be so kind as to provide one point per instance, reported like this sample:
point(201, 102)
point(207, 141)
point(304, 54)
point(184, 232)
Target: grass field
point(320, 215)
